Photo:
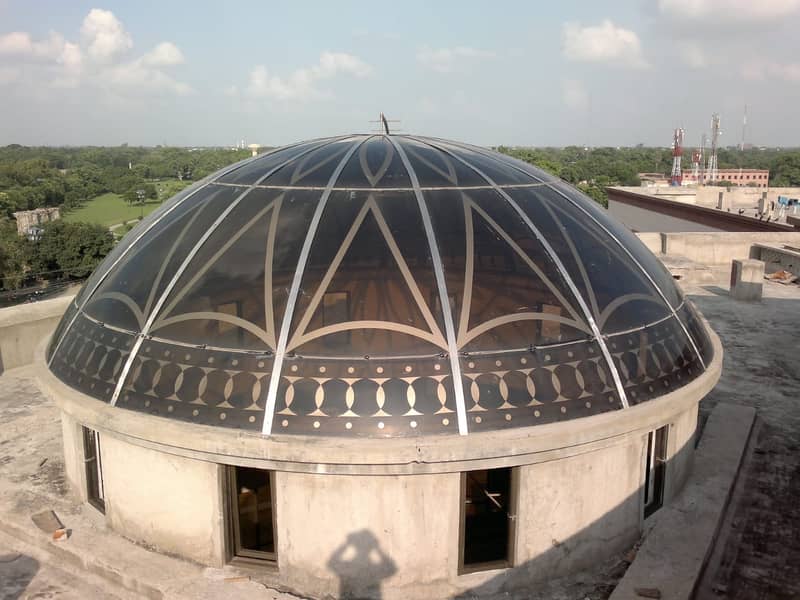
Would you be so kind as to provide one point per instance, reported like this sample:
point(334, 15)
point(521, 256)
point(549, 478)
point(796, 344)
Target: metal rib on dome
point(378, 286)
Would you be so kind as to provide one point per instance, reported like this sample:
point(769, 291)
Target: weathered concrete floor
point(23, 576)
point(759, 553)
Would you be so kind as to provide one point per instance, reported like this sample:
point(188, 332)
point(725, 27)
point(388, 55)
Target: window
point(655, 470)
point(487, 519)
point(252, 513)
point(95, 492)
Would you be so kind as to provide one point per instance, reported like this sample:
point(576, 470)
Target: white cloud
point(8, 75)
point(604, 43)
point(56, 62)
point(760, 70)
point(301, 84)
point(728, 10)
point(16, 43)
point(104, 35)
point(448, 60)
point(166, 54)
point(693, 55)
point(574, 95)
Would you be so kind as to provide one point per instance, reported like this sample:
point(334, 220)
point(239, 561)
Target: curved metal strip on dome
point(156, 309)
point(550, 185)
point(554, 257)
point(157, 217)
point(283, 338)
point(444, 299)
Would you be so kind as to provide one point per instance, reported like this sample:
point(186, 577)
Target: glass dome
point(379, 286)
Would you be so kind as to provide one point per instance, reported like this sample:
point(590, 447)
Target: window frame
point(513, 514)
point(93, 469)
point(655, 470)
point(234, 551)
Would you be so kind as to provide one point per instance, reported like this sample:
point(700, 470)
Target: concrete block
point(747, 277)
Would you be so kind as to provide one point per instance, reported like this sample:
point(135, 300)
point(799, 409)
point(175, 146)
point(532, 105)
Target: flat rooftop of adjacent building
point(739, 212)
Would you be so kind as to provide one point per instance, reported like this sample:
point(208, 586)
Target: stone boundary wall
point(23, 327)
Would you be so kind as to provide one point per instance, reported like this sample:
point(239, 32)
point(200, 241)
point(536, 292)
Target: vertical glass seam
point(550, 185)
point(188, 259)
point(559, 265)
point(444, 299)
point(283, 337)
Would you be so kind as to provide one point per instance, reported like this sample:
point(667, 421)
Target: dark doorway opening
point(655, 474)
point(487, 519)
point(252, 512)
point(95, 493)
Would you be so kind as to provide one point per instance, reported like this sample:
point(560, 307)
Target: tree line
point(594, 169)
point(34, 177)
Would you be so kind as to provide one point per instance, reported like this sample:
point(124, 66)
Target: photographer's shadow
point(361, 566)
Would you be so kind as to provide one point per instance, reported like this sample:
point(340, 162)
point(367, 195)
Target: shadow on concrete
point(717, 290)
point(361, 566)
point(16, 573)
point(589, 563)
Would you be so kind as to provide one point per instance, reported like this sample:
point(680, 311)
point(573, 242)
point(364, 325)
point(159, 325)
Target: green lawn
point(110, 209)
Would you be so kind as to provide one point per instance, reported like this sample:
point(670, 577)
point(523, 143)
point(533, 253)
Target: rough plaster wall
point(73, 455)
point(681, 452)
point(164, 500)
point(412, 519)
point(573, 510)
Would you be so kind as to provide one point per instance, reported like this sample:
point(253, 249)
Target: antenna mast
point(677, 153)
point(744, 127)
point(713, 170)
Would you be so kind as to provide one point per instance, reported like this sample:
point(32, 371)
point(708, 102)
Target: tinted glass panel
point(497, 171)
point(653, 361)
point(622, 301)
point(506, 291)
point(315, 168)
point(376, 164)
point(199, 385)
point(434, 168)
point(127, 295)
point(361, 295)
point(253, 171)
point(647, 259)
point(227, 295)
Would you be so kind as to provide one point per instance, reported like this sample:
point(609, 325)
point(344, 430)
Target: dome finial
point(383, 123)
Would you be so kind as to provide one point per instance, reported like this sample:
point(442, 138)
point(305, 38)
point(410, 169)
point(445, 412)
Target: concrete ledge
point(675, 551)
point(23, 327)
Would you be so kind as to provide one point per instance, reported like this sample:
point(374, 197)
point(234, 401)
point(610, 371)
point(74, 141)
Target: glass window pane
point(623, 301)
point(376, 164)
point(129, 293)
point(224, 298)
point(253, 171)
point(315, 168)
point(434, 168)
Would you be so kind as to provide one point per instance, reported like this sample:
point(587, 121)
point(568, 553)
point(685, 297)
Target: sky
point(599, 73)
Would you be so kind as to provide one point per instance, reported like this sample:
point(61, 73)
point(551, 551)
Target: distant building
point(739, 177)
point(28, 219)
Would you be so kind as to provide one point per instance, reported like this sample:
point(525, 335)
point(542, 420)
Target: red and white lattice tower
point(677, 152)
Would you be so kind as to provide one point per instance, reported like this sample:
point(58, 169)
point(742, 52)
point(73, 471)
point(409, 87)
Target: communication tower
point(677, 152)
point(713, 169)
